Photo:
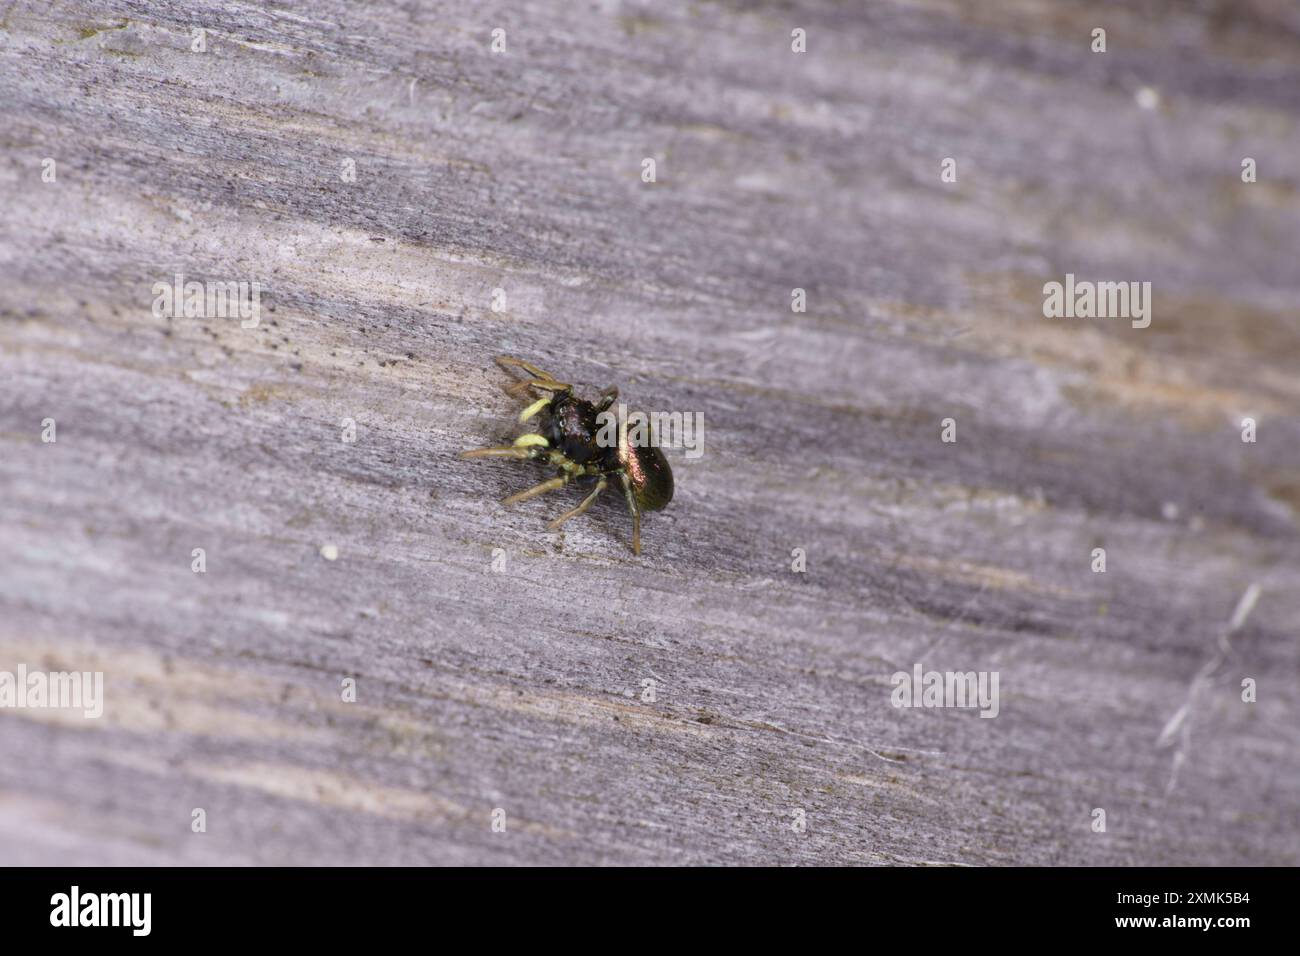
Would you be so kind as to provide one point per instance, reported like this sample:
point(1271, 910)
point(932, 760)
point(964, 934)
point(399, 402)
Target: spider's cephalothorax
point(571, 435)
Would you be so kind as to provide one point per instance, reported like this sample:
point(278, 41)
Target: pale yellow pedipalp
point(534, 408)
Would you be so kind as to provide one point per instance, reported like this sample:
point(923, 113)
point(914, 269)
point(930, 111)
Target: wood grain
point(524, 689)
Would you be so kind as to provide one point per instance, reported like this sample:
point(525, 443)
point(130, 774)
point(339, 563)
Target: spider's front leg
point(509, 361)
point(529, 447)
point(526, 447)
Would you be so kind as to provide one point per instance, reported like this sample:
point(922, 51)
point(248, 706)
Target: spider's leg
point(501, 451)
point(607, 398)
point(633, 507)
point(544, 384)
point(525, 446)
point(551, 485)
point(516, 389)
point(522, 389)
point(586, 503)
point(508, 361)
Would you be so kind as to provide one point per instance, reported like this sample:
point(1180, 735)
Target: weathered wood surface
point(522, 689)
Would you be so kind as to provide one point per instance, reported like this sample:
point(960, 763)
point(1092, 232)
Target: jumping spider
point(567, 438)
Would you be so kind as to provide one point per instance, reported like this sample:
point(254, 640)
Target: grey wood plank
point(522, 689)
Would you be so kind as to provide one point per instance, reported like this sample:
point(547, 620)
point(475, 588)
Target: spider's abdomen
point(652, 480)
